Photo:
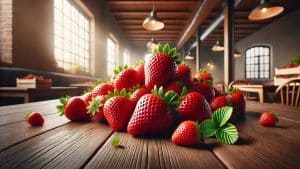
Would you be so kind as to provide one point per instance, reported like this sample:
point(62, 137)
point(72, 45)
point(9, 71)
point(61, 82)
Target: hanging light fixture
point(236, 54)
point(153, 22)
point(151, 44)
point(188, 56)
point(265, 10)
point(217, 47)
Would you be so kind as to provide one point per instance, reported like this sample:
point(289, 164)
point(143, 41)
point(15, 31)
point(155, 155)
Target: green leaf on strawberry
point(62, 103)
point(169, 97)
point(122, 93)
point(167, 50)
point(218, 126)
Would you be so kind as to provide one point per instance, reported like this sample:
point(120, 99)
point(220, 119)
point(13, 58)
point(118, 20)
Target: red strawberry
point(95, 108)
point(194, 107)
point(29, 76)
point(219, 102)
point(118, 110)
point(203, 76)
point(153, 113)
point(126, 78)
point(206, 90)
point(187, 133)
point(268, 119)
point(161, 68)
point(102, 89)
point(87, 97)
point(184, 73)
point(176, 86)
point(238, 101)
point(73, 108)
point(35, 119)
point(290, 65)
point(140, 74)
point(136, 95)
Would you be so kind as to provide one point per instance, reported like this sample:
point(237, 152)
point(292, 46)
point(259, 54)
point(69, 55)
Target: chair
point(242, 82)
point(291, 91)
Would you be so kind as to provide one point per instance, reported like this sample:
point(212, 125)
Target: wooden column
point(228, 40)
point(198, 41)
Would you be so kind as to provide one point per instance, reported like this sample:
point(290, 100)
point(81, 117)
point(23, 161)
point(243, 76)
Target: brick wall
point(6, 12)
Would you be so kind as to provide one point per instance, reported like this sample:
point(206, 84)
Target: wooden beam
point(198, 47)
point(143, 15)
point(140, 27)
point(199, 16)
point(146, 32)
point(228, 40)
point(165, 36)
point(140, 21)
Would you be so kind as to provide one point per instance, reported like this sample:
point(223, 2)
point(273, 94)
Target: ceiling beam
point(146, 32)
point(140, 21)
point(143, 15)
point(198, 17)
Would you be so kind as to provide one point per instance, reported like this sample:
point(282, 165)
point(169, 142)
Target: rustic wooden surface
point(64, 144)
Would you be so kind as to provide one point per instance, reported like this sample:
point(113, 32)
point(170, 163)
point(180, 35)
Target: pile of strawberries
point(38, 78)
point(156, 97)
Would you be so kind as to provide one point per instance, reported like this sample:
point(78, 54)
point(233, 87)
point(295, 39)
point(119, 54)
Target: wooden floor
point(63, 144)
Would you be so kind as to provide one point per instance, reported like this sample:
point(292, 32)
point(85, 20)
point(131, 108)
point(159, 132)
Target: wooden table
point(259, 89)
point(63, 144)
point(30, 94)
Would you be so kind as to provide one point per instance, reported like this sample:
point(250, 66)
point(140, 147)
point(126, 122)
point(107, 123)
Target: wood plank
point(140, 21)
point(146, 32)
point(143, 15)
point(12, 134)
point(151, 153)
point(69, 146)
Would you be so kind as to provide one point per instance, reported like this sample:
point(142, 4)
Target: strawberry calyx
point(185, 64)
point(122, 93)
point(183, 92)
point(166, 49)
point(62, 103)
point(119, 70)
point(170, 97)
point(134, 88)
point(202, 71)
point(27, 115)
point(94, 105)
point(232, 90)
point(274, 115)
point(208, 82)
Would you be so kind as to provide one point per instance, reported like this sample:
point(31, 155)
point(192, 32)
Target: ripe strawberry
point(73, 108)
point(102, 89)
point(238, 101)
point(95, 108)
point(126, 78)
point(219, 102)
point(290, 65)
point(87, 97)
point(184, 73)
point(188, 133)
point(118, 110)
point(268, 119)
point(140, 74)
point(136, 95)
point(161, 68)
point(35, 118)
point(206, 90)
point(194, 107)
point(176, 86)
point(203, 76)
point(153, 113)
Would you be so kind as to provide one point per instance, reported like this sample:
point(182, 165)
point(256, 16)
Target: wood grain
point(69, 146)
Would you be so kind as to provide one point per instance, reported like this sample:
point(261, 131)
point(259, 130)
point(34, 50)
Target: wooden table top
point(63, 144)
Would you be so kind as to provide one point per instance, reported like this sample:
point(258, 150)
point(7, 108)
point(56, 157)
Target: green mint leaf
point(208, 128)
point(228, 134)
point(115, 142)
point(222, 115)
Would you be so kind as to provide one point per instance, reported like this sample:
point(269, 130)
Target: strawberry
point(140, 74)
point(203, 76)
point(136, 95)
point(188, 133)
point(35, 118)
point(290, 65)
point(153, 113)
point(194, 106)
point(206, 90)
point(95, 108)
point(87, 97)
point(219, 102)
point(184, 73)
point(176, 86)
point(238, 101)
point(125, 78)
point(217, 92)
point(102, 89)
point(118, 109)
point(73, 108)
point(268, 119)
point(161, 68)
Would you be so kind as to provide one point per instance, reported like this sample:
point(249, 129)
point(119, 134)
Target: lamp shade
point(217, 47)
point(151, 44)
point(265, 10)
point(237, 54)
point(153, 23)
point(188, 56)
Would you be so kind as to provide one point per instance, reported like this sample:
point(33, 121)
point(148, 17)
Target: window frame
point(116, 57)
point(258, 62)
point(86, 55)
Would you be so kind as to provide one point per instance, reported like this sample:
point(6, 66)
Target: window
point(71, 36)
point(126, 57)
point(258, 62)
point(112, 56)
